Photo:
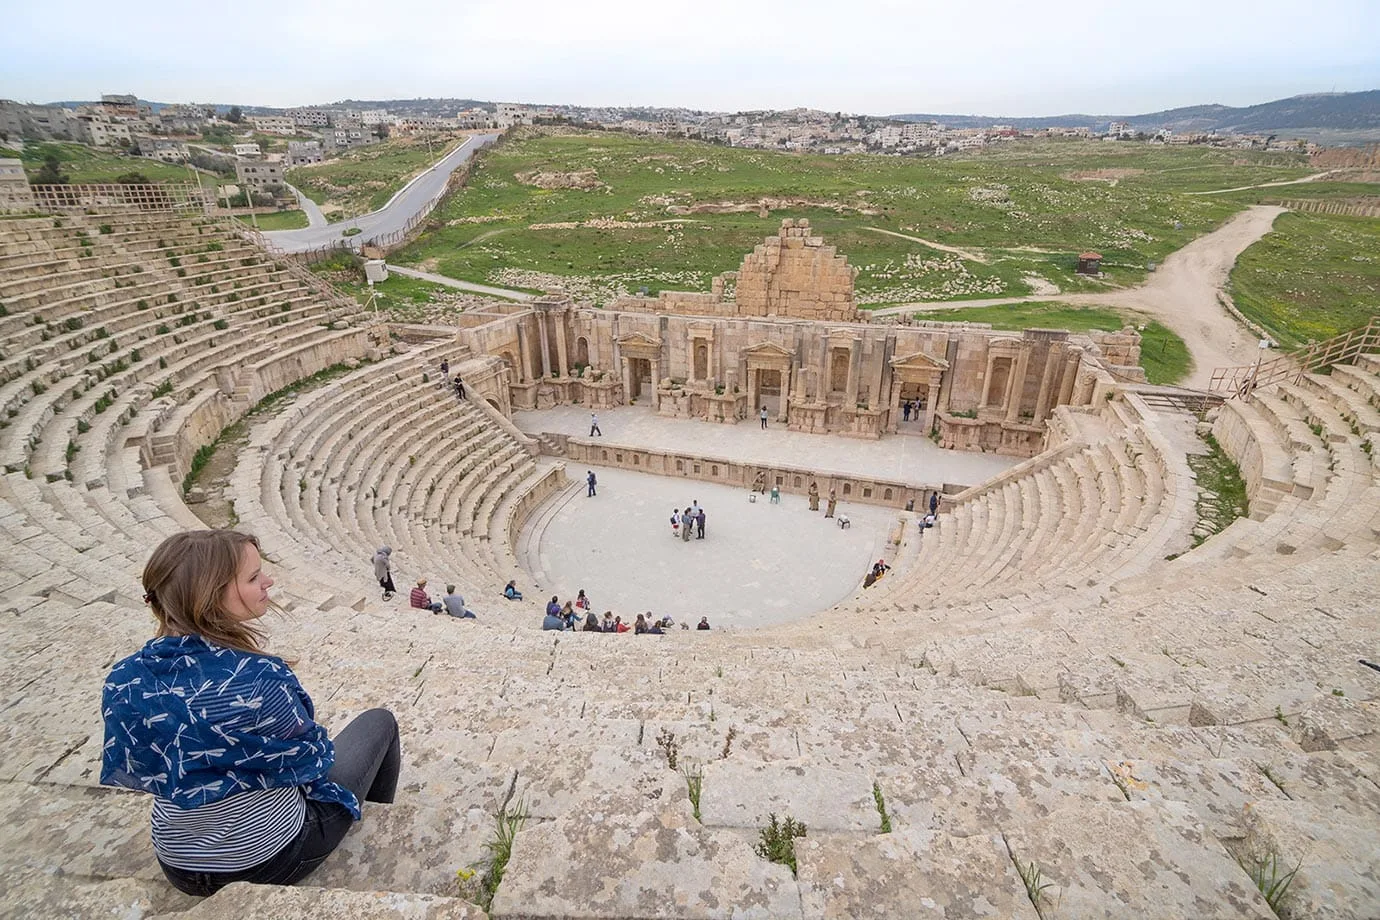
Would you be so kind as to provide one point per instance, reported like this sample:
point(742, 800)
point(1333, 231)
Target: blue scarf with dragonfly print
point(194, 723)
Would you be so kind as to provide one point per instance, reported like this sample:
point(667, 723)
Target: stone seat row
point(192, 350)
point(1099, 504)
point(1029, 769)
point(370, 487)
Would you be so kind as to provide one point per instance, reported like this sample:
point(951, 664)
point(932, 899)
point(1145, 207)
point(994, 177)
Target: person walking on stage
point(591, 481)
point(594, 425)
point(763, 416)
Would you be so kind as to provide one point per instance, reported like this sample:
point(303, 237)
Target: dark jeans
point(386, 583)
point(367, 759)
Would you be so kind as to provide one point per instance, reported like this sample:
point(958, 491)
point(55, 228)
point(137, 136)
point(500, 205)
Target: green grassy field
point(363, 180)
point(1024, 210)
point(280, 220)
point(402, 298)
point(1162, 353)
point(1312, 277)
point(84, 164)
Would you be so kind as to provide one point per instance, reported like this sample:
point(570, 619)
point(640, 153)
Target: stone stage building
point(784, 332)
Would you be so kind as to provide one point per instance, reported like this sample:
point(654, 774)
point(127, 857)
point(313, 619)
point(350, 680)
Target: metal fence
point(165, 197)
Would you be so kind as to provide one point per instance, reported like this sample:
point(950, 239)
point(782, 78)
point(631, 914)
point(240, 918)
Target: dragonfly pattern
point(193, 723)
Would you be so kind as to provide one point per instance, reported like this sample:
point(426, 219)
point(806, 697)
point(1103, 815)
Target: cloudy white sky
point(991, 57)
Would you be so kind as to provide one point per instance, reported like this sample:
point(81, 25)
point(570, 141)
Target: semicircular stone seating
point(1034, 687)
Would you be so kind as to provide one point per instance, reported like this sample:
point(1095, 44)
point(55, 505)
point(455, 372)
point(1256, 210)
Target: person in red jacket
point(418, 598)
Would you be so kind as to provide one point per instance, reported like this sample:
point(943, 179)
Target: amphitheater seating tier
point(1033, 687)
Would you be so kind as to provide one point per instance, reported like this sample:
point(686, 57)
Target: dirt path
point(1243, 188)
point(1182, 294)
point(961, 253)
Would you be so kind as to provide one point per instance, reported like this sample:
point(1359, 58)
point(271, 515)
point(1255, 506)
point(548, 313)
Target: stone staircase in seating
point(1100, 734)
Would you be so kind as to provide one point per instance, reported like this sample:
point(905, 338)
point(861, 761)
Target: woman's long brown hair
point(184, 583)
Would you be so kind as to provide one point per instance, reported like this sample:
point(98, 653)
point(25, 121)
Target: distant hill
point(1304, 116)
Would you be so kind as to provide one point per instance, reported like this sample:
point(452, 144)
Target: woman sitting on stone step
point(247, 785)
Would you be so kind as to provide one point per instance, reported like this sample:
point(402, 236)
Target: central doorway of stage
point(639, 377)
point(769, 392)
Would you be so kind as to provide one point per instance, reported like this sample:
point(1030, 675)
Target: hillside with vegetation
point(602, 215)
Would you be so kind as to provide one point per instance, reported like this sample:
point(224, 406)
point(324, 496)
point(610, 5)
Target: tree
point(381, 131)
point(234, 115)
point(134, 178)
point(51, 172)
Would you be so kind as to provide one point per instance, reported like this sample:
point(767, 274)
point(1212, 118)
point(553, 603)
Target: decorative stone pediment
point(919, 361)
point(768, 354)
point(639, 344)
point(768, 350)
point(842, 338)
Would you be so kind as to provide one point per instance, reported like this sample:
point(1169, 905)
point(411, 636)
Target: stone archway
point(582, 351)
point(916, 378)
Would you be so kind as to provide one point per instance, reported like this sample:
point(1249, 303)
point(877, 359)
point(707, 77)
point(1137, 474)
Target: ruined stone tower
point(793, 274)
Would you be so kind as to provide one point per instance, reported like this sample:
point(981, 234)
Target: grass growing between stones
point(1271, 877)
point(694, 786)
point(1221, 490)
point(668, 214)
point(776, 841)
point(1162, 353)
point(881, 808)
point(483, 886)
point(1035, 885)
point(1312, 277)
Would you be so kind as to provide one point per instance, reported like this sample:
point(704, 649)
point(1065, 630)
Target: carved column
point(1071, 361)
point(524, 353)
point(987, 378)
point(545, 344)
point(895, 413)
point(1053, 362)
point(656, 382)
point(931, 405)
point(1015, 387)
point(559, 320)
point(854, 372)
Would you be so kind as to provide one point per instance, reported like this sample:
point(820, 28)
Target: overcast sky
point(989, 57)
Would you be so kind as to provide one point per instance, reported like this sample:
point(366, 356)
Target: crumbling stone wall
point(795, 275)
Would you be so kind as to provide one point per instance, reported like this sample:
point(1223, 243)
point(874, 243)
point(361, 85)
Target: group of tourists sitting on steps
point(578, 615)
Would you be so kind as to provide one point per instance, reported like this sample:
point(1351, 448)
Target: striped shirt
point(236, 833)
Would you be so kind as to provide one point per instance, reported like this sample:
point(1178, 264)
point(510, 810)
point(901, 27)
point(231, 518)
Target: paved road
point(393, 216)
point(462, 285)
point(315, 219)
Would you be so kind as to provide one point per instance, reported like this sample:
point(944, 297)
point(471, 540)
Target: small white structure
point(375, 270)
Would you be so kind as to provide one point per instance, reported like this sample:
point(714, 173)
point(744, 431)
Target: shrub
point(163, 389)
point(174, 261)
point(777, 841)
point(221, 324)
point(73, 323)
point(162, 329)
point(106, 228)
